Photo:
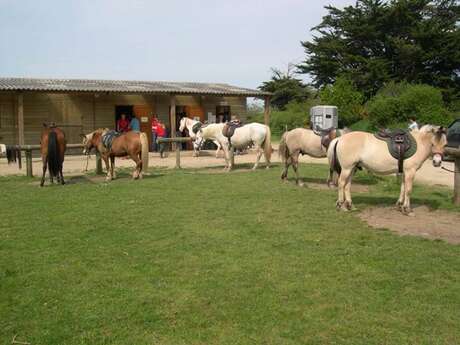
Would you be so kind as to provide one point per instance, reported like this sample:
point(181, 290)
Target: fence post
point(29, 163)
point(457, 181)
point(178, 146)
point(98, 163)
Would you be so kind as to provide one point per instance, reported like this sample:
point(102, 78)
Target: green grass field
point(195, 257)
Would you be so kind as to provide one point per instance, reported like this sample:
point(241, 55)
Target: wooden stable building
point(81, 105)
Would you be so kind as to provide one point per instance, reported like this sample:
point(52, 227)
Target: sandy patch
point(432, 224)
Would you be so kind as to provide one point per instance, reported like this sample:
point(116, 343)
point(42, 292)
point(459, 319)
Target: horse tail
point(144, 151)
point(268, 145)
point(335, 164)
point(283, 150)
point(53, 154)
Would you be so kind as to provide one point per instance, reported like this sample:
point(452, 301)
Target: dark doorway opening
point(123, 109)
point(223, 113)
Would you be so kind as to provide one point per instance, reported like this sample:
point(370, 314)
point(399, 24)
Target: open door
point(144, 115)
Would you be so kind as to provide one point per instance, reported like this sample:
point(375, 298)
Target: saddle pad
point(108, 137)
point(409, 140)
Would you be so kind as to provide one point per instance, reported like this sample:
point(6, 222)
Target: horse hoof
point(301, 184)
point(267, 167)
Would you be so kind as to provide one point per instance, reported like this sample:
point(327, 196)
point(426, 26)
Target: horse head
point(182, 124)
point(438, 143)
point(90, 140)
point(198, 140)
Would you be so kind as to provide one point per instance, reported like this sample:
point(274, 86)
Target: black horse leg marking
point(45, 163)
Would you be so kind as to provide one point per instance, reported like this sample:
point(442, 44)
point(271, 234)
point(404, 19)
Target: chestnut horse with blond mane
point(132, 144)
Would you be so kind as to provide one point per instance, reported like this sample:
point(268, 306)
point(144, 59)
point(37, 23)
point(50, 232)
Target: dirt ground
point(75, 165)
point(432, 224)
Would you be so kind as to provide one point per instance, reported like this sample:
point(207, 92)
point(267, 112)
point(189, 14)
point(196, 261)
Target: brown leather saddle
point(327, 135)
point(229, 129)
point(401, 144)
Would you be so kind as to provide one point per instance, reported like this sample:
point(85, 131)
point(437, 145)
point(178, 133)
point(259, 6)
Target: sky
point(235, 42)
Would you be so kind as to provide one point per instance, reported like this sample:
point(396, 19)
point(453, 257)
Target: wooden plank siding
point(8, 124)
point(82, 112)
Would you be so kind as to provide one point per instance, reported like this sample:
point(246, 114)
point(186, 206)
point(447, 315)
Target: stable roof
point(125, 86)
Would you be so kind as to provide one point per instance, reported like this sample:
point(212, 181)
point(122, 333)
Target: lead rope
point(452, 171)
point(87, 160)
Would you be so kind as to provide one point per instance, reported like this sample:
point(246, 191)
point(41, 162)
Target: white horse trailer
point(324, 117)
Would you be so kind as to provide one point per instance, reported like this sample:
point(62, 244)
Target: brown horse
point(52, 148)
point(132, 144)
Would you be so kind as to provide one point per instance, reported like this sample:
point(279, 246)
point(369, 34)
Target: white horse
point(193, 127)
point(255, 134)
point(364, 149)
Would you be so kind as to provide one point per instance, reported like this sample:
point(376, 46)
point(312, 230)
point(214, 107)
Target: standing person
point(154, 133)
point(412, 123)
point(161, 133)
point(122, 124)
point(135, 124)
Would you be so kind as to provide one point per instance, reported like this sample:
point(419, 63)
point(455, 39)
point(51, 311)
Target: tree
point(374, 42)
point(346, 97)
point(285, 88)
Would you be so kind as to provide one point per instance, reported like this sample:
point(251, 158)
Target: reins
point(452, 171)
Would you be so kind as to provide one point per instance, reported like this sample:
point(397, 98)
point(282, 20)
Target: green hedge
point(395, 103)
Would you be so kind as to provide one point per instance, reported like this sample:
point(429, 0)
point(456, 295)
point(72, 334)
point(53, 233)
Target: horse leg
point(112, 167)
point(107, 167)
point(227, 158)
point(347, 189)
point(400, 201)
point(295, 166)
point(408, 182)
point(137, 170)
point(218, 149)
point(45, 164)
point(286, 168)
point(343, 178)
point(259, 154)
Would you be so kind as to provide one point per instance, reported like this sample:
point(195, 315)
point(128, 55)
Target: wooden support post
point(172, 118)
point(457, 181)
point(178, 145)
point(267, 110)
point(20, 117)
point(29, 163)
point(98, 163)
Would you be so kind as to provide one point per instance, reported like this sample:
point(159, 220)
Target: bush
point(347, 98)
point(395, 103)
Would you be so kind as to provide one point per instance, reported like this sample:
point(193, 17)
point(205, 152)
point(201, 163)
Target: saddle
point(229, 129)
point(327, 135)
point(401, 144)
point(108, 137)
point(196, 127)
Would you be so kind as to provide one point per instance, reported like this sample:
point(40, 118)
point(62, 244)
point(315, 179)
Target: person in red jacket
point(161, 133)
point(122, 124)
point(154, 133)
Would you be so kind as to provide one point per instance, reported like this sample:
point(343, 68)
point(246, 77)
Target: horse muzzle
point(437, 160)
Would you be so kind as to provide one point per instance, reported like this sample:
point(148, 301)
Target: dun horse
point(364, 149)
point(52, 148)
point(111, 145)
point(304, 141)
